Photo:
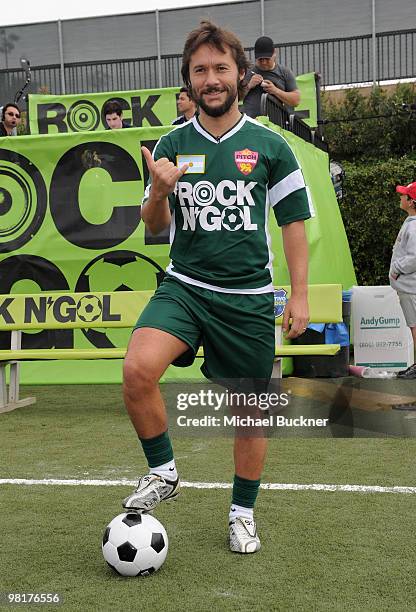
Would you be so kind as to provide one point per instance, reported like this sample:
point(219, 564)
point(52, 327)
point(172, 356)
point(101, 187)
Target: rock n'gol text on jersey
point(215, 207)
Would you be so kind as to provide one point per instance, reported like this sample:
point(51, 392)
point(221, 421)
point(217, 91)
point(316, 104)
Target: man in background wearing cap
point(269, 77)
point(403, 265)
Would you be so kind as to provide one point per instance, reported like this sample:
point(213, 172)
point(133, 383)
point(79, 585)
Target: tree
point(373, 127)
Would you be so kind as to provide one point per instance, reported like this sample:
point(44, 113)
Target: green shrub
point(371, 213)
point(377, 154)
point(22, 129)
point(373, 138)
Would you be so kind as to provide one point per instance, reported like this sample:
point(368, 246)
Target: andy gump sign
point(381, 337)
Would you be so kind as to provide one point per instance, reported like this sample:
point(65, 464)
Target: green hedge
point(377, 154)
point(371, 213)
point(363, 137)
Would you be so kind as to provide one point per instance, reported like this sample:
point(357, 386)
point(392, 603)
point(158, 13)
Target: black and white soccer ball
point(135, 544)
point(232, 218)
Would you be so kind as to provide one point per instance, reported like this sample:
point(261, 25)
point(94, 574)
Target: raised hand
point(164, 174)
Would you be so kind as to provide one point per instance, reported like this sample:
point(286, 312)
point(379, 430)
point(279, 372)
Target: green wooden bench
point(325, 306)
point(120, 309)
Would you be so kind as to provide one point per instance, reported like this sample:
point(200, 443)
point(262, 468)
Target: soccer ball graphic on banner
point(89, 308)
point(135, 544)
point(114, 271)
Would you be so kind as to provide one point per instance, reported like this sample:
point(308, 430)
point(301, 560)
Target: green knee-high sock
point(245, 491)
point(158, 450)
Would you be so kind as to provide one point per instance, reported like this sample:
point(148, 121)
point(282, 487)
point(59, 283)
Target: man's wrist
point(299, 292)
point(277, 92)
point(157, 197)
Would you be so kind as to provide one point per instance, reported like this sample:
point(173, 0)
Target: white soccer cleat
point(243, 535)
point(151, 490)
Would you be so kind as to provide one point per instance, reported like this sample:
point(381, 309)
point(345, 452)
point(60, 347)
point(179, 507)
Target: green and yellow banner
point(50, 114)
point(70, 222)
point(67, 310)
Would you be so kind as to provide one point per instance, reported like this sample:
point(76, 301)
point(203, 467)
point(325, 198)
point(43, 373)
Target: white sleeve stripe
point(310, 201)
point(292, 182)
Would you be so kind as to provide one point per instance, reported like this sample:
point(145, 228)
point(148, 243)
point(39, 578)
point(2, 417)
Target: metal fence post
point(262, 16)
point(374, 40)
point(61, 56)
point(159, 57)
point(319, 129)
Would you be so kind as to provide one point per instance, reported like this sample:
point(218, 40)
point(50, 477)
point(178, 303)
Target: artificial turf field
point(321, 550)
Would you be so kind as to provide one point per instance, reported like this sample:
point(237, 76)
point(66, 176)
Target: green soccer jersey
point(220, 207)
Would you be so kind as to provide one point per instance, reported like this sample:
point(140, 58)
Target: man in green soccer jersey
point(213, 180)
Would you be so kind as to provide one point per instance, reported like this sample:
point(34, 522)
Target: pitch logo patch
point(246, 160)
point(196, 163)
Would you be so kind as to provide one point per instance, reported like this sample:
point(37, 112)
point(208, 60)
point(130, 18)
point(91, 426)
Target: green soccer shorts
point(236, 330)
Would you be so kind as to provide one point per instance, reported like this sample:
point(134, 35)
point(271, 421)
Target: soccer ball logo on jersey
point(227, 205)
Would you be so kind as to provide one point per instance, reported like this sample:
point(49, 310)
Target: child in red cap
point(403, 265)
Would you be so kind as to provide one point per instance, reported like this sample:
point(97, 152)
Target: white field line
point(271, 486)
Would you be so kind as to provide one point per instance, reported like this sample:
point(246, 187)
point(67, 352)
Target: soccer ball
point(232, 218)
point(89, 308)
point(135, 544)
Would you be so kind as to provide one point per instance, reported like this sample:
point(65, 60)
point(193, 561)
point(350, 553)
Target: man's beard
point(217, 111)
